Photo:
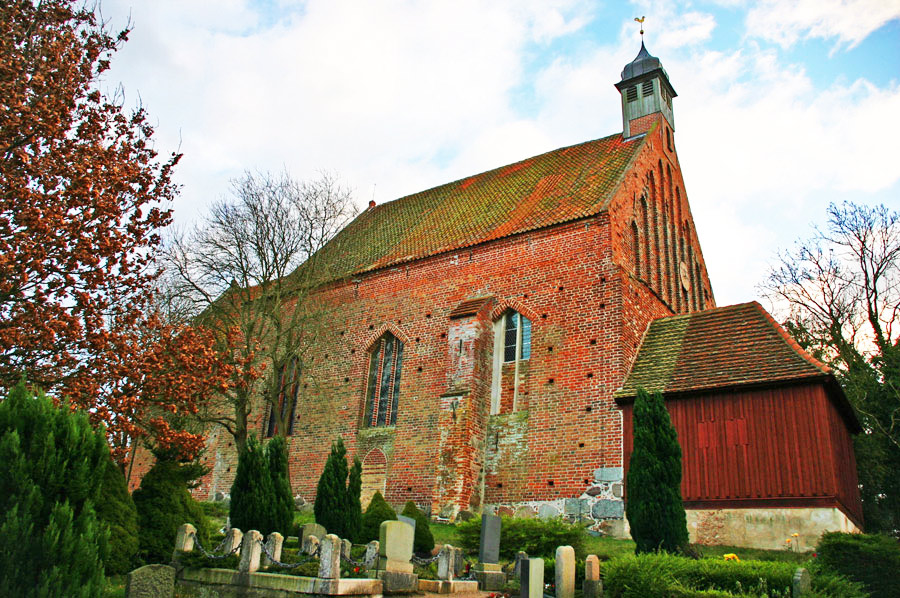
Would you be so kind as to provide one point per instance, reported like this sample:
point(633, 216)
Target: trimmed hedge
point(377, 511)
point(864, 558)
point(424, 540)
point(116, 509)
point(666, 575)
point(537, 537)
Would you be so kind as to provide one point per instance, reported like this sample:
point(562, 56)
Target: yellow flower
point(788, 541)
point(795, 534)
point(731, 557)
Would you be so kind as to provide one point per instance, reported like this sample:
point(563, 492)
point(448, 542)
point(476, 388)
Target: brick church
point(488, 337)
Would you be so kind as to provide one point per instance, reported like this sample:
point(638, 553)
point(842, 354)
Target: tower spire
point(645, 90)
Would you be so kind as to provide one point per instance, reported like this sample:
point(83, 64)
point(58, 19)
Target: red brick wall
point(589, 308)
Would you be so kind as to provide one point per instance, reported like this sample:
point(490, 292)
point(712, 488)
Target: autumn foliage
point(83, 197)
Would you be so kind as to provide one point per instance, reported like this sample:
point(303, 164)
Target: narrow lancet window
point(383, 387)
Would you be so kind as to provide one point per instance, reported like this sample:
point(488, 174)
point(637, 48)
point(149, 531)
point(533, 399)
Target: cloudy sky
point(783, 107)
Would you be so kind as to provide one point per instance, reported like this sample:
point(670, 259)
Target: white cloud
point(850, 21)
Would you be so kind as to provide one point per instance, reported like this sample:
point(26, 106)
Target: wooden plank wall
point(762, 444)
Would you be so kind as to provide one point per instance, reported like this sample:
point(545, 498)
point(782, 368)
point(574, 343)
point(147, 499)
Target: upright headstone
point(521, 559)
point(233, 539)
point(802, 583)
point(446, 569)
point(408, 520)
point(346, 545)
point(394, 567)
point(313, 529)
point(330, 557)
point(565, 572)
point(251, 548)
point(593, 587)
point(489, 548)
point(459, 562)
point(274, 542)
point(151, 581)
point(488, 572)
point(533, 579)
point(310, 545)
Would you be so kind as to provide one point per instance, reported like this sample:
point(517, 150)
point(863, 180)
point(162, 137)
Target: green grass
point(304, 517)
point(444, 533)
point(115, 587)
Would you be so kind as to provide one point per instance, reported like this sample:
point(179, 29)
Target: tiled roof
point(731, 346)
point(559, 186)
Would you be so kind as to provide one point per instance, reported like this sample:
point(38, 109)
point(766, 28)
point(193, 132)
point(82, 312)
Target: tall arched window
point(645, 229)
point(636, 248)
point(383, 389)
point(289, 387)
point(516, 336)
point(512, 345)
point(654, 211)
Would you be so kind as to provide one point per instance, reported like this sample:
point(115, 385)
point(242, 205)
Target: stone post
point(533, 578)
point(371, 558)
point(565, 572)
point(274, 542)
point(184, 538)
point(593, 586)
point(250, 551)
point(310, 545)
point(802, 583)
point(330, 557)
point(233, 538)
point(445, 568)
point(459, 562)
point(346, 545)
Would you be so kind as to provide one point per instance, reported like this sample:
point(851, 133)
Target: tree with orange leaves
point(83, 197)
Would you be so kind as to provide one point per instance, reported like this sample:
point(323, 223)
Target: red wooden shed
point(765, 428)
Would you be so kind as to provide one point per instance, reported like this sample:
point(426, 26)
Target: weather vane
point(641, 21)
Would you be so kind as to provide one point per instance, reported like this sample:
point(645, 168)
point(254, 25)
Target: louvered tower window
point(648, 88)
point(631, 94)
point(383, 389)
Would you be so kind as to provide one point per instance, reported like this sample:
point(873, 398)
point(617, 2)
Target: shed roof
point(560, 186)
point(730, 346)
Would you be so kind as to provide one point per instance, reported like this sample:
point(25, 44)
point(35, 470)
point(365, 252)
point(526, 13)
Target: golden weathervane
point(641, 21)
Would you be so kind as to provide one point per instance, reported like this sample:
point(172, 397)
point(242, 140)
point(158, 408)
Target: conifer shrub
point(423, 541)
point(654, 507)
point(164, 503)
point(537, 537)
point(377, 511)
point(283, 498)
point(253, 503)
point(354, 510)
point(863, 558)
point(51, 543)
point(117, 511)
point(334, 508)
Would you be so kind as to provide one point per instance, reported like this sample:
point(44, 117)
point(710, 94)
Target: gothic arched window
point(383, 388)
point(636, 248)
point(289, 386)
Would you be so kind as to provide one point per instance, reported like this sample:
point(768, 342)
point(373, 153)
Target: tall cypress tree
point(331, 492)
point(354, 506)
point(117, 510)
point(252, 491)
point(654, 507)
point(51, 543)
point(283, 498)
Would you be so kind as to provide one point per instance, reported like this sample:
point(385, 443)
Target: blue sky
point(783, 107)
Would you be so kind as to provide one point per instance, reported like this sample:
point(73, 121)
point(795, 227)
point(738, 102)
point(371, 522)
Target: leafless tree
point(249, 270)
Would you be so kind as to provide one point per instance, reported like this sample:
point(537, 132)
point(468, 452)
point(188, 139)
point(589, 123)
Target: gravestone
point(313, 529)
point(446, 569)
point(310, 545)
point(371, 554)
point(521, 559)
point(489, 548)
point(346, 545)
point(408, 520)
point(151, 581)
point(593, 587)
point(395, 545)
point(565, 572)
point(465, 515)
point(250, 552)
point(533, 578)
point(459, 562)
point(802, 583)
point(330, 557)
point(274, 542)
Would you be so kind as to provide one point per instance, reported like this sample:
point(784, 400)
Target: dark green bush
point(654, 509)
point(423, 541)
point(116, 509)
point(377, 511)
point(676, 576)
point(253, 502)
point(163, 504)
point(337, 504)
point(354, 510)
point(282, 497)
point(863, 558)
point(537, 537)
point(51, 543)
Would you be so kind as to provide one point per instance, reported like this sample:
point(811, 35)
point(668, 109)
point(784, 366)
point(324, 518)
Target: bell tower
point(646, 91)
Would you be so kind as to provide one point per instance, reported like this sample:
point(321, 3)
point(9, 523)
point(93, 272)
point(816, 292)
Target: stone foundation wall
point(766, 528)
